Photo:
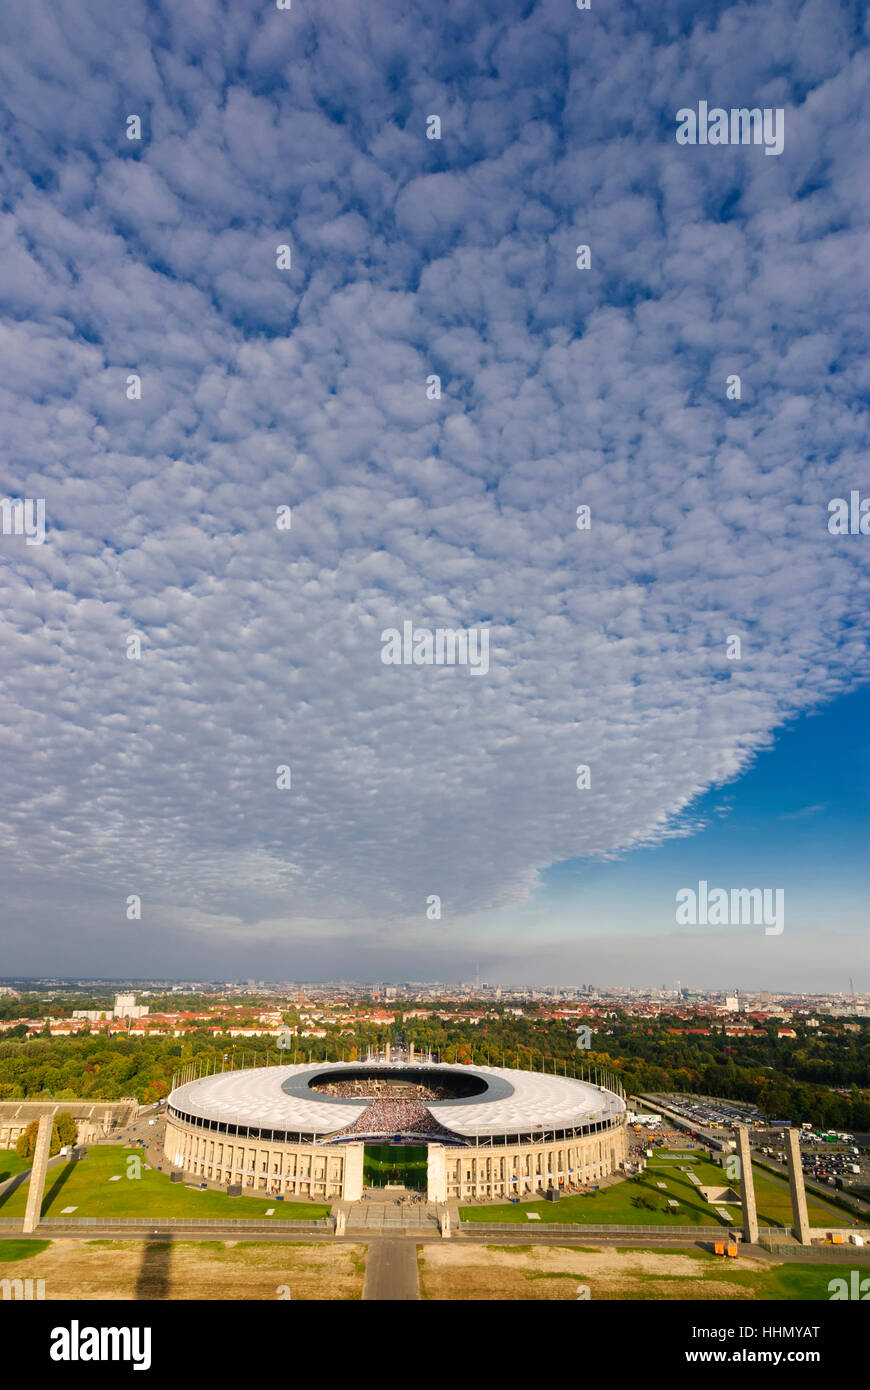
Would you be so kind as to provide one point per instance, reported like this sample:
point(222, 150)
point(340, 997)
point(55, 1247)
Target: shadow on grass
point(14, 1185)
point(63, 1176)
point(153, 1278)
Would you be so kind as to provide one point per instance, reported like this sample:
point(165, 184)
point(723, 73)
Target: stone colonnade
point(495, 1172)
point(264, 1166)
point(330, 1171)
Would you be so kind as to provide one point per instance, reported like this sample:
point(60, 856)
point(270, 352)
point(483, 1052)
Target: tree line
point(822, 1078)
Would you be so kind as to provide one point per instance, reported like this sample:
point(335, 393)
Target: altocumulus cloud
point(560, 387)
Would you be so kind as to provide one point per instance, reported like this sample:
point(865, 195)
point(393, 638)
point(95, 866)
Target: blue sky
point(306, 387)
point(798, 819)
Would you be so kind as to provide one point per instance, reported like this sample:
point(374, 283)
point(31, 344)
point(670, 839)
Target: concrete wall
point(94, 1119)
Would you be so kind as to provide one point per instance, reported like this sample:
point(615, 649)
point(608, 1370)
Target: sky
point(173, 643)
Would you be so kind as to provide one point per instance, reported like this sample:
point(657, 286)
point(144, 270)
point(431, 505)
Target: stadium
point(485, 1133)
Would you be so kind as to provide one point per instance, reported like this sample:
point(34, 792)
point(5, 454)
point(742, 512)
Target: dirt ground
point(550, 1273)
point(126, 1269)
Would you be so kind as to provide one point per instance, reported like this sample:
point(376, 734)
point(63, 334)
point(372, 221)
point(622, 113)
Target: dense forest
point(821, 1078)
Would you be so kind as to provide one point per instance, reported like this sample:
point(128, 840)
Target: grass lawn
point(21, 1249)
point(77, 1270)
point(402, 1163)
point(789, 1281)
point(774, 1204)
point(768, 1281)
point(86, 1186)
point(10, 1164)
point(616, 1205)
point(524, 1273)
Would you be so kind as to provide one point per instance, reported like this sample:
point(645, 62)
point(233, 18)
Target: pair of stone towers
point(801, 1222)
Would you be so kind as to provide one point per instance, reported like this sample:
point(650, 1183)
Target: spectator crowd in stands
point(405, 1117)
point(374, 1088)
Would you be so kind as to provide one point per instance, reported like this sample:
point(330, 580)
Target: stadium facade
point(300, 1131)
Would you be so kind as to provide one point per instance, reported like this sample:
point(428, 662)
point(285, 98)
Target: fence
point(582, 1229)
point(766, 1233)
point(153, 1222)
point(562, 1227)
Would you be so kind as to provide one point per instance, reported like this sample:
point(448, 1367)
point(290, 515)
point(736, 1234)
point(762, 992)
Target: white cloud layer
point(606, 387)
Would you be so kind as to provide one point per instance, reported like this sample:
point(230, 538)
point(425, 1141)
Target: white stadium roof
point(279, 1098)
point(537, 1100)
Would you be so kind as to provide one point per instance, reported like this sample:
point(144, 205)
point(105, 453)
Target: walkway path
point(391, 1272)
point(386, 1216)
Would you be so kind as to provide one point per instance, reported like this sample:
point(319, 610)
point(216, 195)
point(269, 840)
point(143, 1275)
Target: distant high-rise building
point(732, 1003)
point(125, 1007)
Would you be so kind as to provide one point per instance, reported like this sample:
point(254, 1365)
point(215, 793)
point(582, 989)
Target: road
point(391, 1272)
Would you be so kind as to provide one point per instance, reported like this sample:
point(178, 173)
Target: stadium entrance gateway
point(395, 1165)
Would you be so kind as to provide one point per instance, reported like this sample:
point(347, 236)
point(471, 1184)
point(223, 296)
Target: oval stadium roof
point(280, 1098)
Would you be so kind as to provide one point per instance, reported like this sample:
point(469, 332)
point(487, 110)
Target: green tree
point(27, 1140)
point(65, 1128)
point(63, 1131)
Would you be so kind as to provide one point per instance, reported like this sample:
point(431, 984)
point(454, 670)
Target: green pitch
point(87, 1186)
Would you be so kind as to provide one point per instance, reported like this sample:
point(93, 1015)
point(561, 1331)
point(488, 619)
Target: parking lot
point(836, 1160)
point(840, 1164)
point(715, 1115)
